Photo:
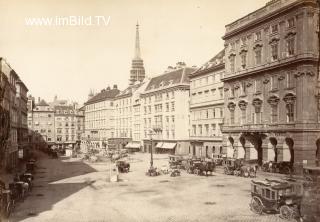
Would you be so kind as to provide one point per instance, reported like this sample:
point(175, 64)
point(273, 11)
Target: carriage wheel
point(286, 212)
point(256, 205)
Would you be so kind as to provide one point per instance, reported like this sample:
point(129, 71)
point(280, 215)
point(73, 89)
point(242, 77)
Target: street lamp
point(155, 130)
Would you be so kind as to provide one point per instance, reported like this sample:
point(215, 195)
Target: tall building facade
point(207, 107)
point(127, 113)
point(137, 72)
point(165, 111)
point(22, 115)
point(42, 123)
point(13, 115)
point(69, 126)
point(272, 101)
point(99, 119)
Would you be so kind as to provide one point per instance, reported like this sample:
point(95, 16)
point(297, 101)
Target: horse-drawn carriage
point(231, 166)
point(276, 196)
point(123, 166)
point(176, 162)
point(200, 167)
point(312, 173)
point(217, 159)
point(283, 167)
point(240, 167)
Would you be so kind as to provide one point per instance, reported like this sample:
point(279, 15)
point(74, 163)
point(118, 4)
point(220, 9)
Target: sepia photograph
point(160, 111)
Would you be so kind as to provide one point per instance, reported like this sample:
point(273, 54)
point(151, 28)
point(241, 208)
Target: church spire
point(137, 45)
point(137, 72)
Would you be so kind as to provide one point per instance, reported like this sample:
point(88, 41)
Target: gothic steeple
point(137, 72)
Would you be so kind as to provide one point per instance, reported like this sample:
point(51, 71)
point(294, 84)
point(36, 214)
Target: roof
point(63, 108)
point(213, 63)
point(175, 77)
point(103, 95)
point(42, 103)
point(129, 90)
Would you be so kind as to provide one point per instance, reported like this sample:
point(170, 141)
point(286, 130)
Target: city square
point(74, 190)
point(195, 110)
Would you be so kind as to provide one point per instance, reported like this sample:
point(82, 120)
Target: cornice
point(267, 17)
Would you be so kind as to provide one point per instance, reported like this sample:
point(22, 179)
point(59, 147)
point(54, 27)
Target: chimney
point(180, 65)
point(115, 86)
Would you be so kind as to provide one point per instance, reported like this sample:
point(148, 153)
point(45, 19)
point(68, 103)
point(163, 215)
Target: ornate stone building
point(272, 83)
point(206, 108)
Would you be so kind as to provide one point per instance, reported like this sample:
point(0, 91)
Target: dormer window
point(161, 84)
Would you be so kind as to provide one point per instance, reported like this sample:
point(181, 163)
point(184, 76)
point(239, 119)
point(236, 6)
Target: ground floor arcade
point(294, 147)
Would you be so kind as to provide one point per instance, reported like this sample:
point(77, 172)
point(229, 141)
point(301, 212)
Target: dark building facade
point(271, 84)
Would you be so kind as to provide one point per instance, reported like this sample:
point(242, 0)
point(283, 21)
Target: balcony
point(259, 127)
point(209, 138)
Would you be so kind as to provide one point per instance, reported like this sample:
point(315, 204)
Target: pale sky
point(68, 61)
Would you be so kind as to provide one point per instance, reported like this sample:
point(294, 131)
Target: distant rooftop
point(103, 95)
point(174, 77)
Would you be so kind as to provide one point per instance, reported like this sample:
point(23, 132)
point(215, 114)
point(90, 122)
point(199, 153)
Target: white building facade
point(165, 109)
point(206, 108)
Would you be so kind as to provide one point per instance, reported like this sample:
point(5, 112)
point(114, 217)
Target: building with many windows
point(272, 83)
point(22, 115)
point(69, 127)
point(99, 119)
point(206, 108)
point(165, 111)
point(128, 130)
point(13, 116)
point(42, 122)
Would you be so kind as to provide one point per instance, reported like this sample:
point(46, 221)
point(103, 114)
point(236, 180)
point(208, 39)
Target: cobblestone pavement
point(72, 190)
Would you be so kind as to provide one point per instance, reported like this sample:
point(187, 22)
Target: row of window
point(159, 97)
point(274, 84)
point(99, 105)
point(207, 113)
point(207, 92)
point(207, 80)
point(158, 108)
point(206, 130)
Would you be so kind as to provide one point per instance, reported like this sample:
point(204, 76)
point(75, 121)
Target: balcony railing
point(259, 127)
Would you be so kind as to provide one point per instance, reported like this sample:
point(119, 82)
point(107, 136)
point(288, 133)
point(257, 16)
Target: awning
point(159, 145)
point(168, 145)
point(132, 145)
